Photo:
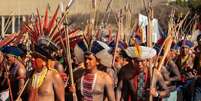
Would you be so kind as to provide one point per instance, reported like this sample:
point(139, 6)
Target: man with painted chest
point(94, 84)
point(135, 77)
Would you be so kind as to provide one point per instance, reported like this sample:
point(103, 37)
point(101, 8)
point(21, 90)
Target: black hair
point(198, 38)
point(88, 53)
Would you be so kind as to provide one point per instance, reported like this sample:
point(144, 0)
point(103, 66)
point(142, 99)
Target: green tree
point(194, 5)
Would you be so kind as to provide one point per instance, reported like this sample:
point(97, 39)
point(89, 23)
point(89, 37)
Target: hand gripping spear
point(166, 46)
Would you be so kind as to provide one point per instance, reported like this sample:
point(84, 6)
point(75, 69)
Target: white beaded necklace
point(93, 84)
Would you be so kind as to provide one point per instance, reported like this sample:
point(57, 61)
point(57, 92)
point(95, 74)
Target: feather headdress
point(47, 35)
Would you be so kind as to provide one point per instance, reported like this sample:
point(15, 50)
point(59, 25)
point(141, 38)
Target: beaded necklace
point(38, 78)
point(87, 85)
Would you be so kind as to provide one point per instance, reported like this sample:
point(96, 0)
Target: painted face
point(90, 62)
point(184, 50)
point(38, 63)
point(140, 64)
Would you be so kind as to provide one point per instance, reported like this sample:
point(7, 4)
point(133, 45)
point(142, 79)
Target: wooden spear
point(117, 39)
point(67, 50)
point(22, 90)
point(106, 12)
point(150, 25)
point(128, 21)
point(166, 46)
point(8, 81)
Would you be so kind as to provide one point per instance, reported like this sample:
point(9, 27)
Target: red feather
point(45, 24)
point(62, 43)
point(36, 27)
point(73, 32)
point(57, 26)
point(52, 22)
point(56, 38)
point(32, 33)
point(39, 22)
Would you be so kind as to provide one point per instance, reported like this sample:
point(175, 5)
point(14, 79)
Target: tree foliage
point(194, 5)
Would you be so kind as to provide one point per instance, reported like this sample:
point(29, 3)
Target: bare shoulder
point(21, 70)
point(104, 76)
point(55, 77)
point(54, 74)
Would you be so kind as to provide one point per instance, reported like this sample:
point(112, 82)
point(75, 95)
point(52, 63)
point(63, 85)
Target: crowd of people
point(102, 70)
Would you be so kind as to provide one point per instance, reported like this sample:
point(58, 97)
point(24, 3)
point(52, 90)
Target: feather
point(56, 27)
point(45, 24)
point(36, 28)
point(138, 50)
point(53, 20)
point(31, 31)
point(56, 36)
point(39, 22)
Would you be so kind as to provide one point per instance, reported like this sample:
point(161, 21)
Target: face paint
point(38, 63)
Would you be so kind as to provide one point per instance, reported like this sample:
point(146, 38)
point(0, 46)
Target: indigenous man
point(4, 92)
point(15, 71)
point(17, 74)
point(185, 60)
point(94, 84)
point(171, 75)
point(119, 61)
point(46, 83)
point(135, 77)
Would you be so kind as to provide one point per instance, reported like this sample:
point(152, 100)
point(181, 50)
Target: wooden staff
point(150, 25)
point(93, 16)
point(179, 25)
point(191, 24)
point(8, 81)
point(166, 46)
point(128, 21)
point(22, 90)
point(67, 50)
point(117, 40)
point(28, 45)
point(106, 12)
point(68, 56)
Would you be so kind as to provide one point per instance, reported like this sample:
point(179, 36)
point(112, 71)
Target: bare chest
point(46, 88)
